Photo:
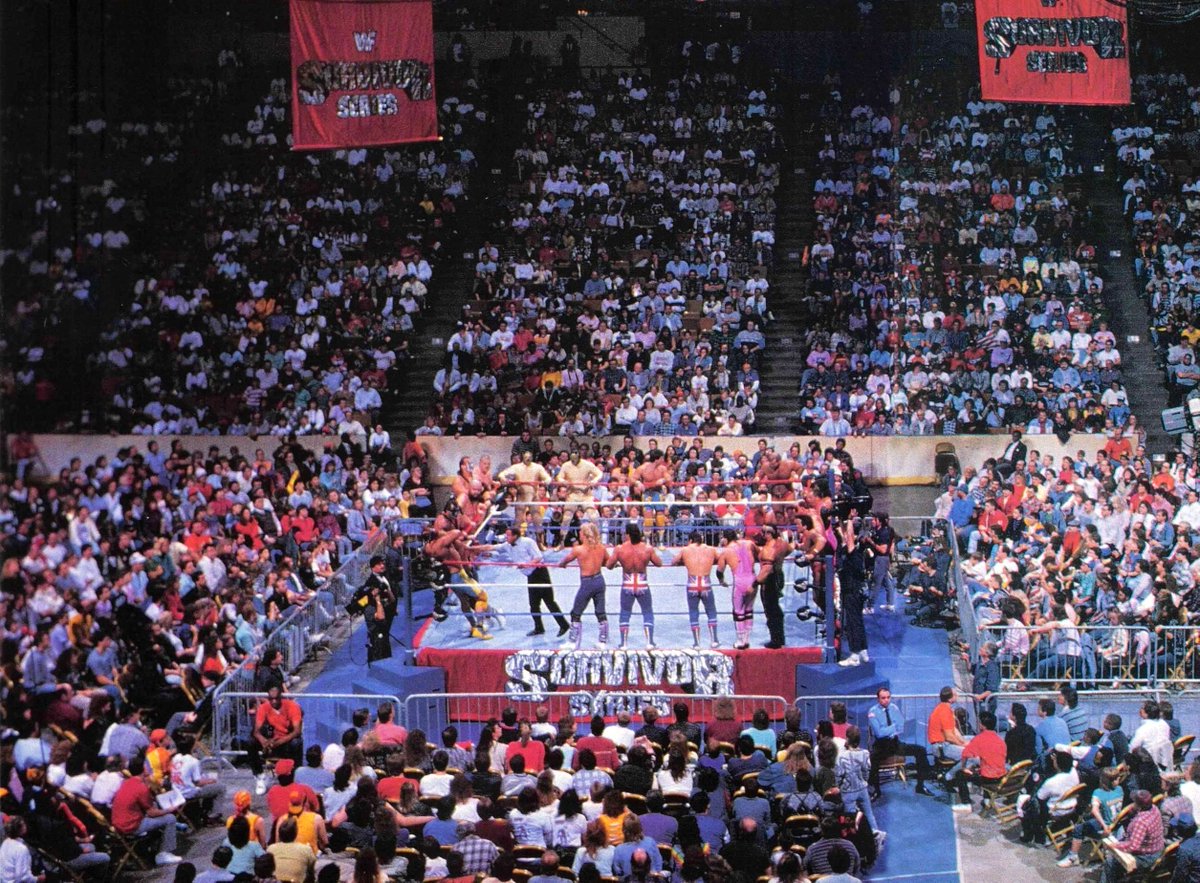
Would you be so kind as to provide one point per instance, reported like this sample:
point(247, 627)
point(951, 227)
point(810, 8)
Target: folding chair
point(805, 829)
point(1183, 745)
point(636, 803)
point(1003, 795)
point(121, 848)
point(1163, 870)
point(60, 869)
point(1058, 831)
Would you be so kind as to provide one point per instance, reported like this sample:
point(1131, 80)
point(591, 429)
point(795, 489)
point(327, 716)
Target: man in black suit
point(379, 607)
point(1015, 453)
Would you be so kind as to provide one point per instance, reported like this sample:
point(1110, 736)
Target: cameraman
point(852, 572)
point(377, 602)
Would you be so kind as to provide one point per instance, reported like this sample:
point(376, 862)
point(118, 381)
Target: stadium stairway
point(409, 401)
point(1129, 315)
point(778, 398)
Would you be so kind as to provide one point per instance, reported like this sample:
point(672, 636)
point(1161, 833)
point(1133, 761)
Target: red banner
point(362, 73)
point(1053, 51)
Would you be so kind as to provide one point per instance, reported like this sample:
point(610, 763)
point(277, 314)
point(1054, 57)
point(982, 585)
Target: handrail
point(604, 38)
point(303, 627)
point(223, 737)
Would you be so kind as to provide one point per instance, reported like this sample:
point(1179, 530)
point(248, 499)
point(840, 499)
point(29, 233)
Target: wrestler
point(634, 556)
point(525, 477)
point(451, 548)
point(775, 549)
point(590, 554)
point(739, 555)
point(698, 559)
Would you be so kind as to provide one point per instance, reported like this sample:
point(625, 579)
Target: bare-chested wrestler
point(451, 548)
point(635, 556)
point(740, 555)
point(698, 559)
point(591, 555)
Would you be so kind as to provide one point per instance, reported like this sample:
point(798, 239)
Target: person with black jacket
point(378, 604)
point(1021, 738)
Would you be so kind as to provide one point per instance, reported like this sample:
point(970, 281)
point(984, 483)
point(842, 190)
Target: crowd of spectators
point(133, 585)
point(288, 310)
point(1082, 568)
point(626, 289)
point(1155, 146)
point(626, 798)
point(72, 232)
point(952, 284)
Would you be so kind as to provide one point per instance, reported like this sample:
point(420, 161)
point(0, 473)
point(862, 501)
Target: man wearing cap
point(1143, 839)
point(279, 796)
point(310, 826)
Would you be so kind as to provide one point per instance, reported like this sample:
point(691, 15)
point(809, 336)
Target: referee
point(524, 552)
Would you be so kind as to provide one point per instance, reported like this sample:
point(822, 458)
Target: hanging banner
point(362, 73)
point(1053, 51)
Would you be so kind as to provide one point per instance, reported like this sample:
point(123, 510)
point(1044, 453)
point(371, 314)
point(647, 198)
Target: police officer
point(887, 724)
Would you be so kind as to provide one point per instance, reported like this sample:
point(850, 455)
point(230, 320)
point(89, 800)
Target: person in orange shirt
point(158, 757)
point(1117, 446)
point(942, 733)
point(241, 807)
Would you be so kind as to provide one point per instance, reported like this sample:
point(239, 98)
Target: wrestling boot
point(716, 641)
point(650, 645)
point(576, 635)
point(603, 643)
point(695, 637)
point(624, 636)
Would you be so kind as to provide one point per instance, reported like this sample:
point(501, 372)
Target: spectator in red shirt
point(991, 752)
point(135, 812)
point(278, 724)
point(529, 748)
point(279, 796)
point(604, 749)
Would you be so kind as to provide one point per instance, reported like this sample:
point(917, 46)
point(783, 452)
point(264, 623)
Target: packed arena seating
point(1155, 148)
point(73, 234)
point(626, 289)
point(952, 281)
point(288, 311)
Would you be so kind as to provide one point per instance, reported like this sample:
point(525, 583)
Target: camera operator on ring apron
point(852, 568)
point(377, 601)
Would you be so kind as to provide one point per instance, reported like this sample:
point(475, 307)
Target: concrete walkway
point(988, 852)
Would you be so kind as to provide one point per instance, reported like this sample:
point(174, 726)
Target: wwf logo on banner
point(362, 73)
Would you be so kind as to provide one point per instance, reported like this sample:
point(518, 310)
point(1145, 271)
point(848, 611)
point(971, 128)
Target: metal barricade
point(915, 709)
point(305, 627)
point(1095, 657)
point(431, 712)
point(326, 716)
